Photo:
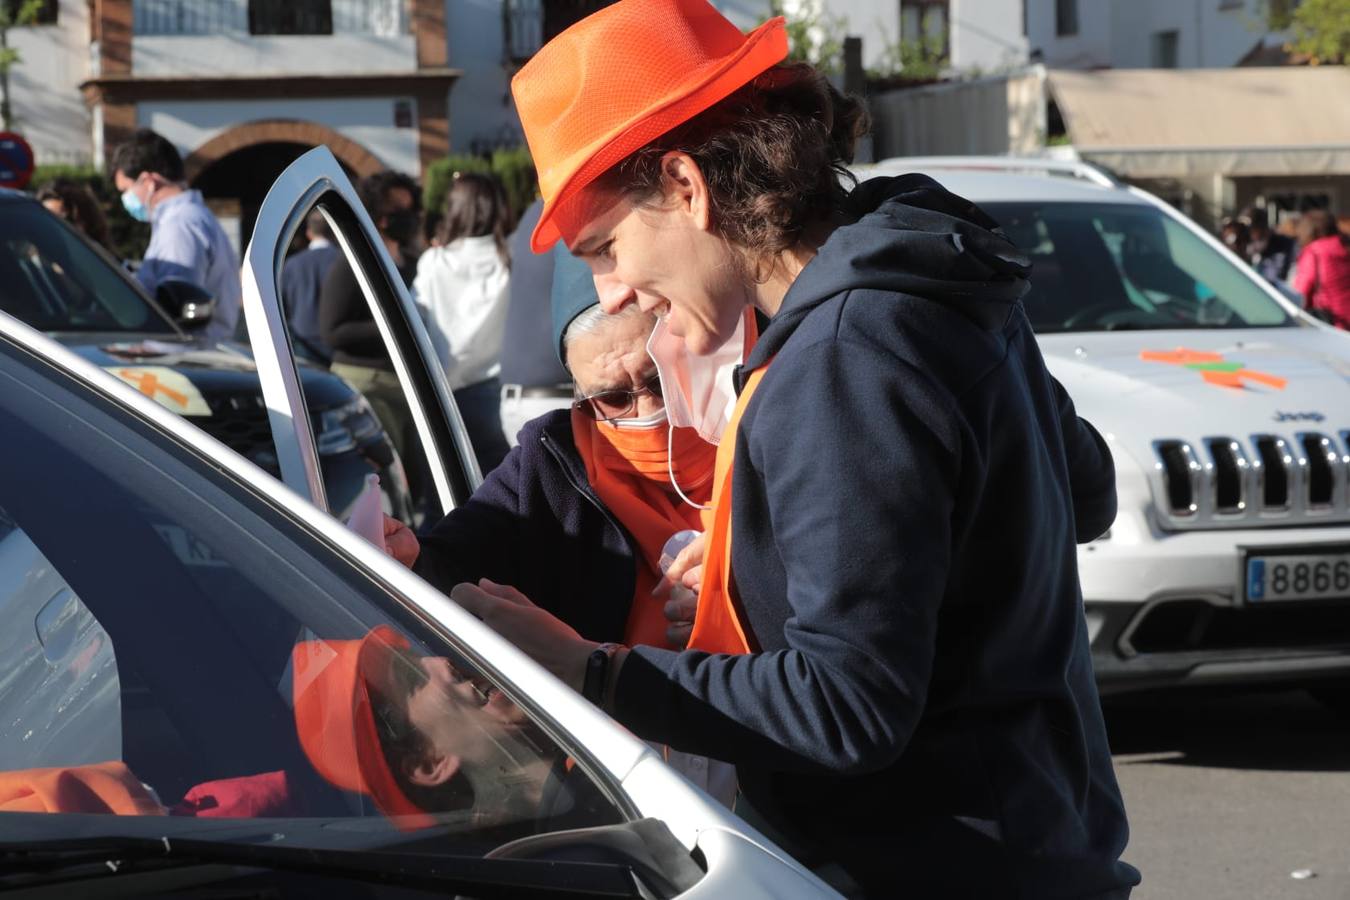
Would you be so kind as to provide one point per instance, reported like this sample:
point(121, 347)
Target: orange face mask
point(648, 452)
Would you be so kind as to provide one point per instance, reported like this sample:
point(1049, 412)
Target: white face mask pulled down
point(699, 391)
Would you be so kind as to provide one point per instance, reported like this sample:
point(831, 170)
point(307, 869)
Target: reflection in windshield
point(59, 691)
point(1115, 267)
point(52, 281)
point(255, 679)
point(416, 734)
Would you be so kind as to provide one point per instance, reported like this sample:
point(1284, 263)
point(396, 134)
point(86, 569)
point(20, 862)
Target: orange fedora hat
point(336, 723)
point(623, 77)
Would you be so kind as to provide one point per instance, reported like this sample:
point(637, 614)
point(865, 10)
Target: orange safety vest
point(717, 626)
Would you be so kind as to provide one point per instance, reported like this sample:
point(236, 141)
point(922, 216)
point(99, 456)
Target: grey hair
point(593, 318)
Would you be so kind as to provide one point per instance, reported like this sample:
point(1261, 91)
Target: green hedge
point(129, 237)
point(513, 166)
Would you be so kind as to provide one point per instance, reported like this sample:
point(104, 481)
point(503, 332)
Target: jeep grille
point(1266, 479)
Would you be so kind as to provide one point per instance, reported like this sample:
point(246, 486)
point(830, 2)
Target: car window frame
point(598, 745)
point(316, 180)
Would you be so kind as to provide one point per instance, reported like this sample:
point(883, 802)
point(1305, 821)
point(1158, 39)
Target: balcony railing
point(386, 18)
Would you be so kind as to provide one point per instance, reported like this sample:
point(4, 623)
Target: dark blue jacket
point(301, 281)
point(536, 524)
point(910, 482)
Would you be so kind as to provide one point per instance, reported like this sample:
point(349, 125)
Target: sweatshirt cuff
point(639, 693)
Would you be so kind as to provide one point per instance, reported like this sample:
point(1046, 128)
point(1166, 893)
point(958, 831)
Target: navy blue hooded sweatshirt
point(910, 483)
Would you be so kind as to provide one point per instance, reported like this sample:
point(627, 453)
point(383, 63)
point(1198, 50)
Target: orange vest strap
point(717, 627)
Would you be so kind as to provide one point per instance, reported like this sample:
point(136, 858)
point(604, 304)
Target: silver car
point(210, 687)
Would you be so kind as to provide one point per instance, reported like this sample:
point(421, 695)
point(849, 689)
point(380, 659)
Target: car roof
point(997, 179)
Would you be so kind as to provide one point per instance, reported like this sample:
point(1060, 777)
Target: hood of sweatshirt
point(908, 235)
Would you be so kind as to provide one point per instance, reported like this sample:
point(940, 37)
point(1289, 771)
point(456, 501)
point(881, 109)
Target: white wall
point(984, 34)
point(367, 120)
point(1090, 48)
point(245, 54)
point(44, 87)
point(1208, 37)
point(1121, 34)
point(987, 35)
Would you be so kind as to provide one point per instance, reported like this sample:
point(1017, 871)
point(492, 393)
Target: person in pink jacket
point(1323, 274)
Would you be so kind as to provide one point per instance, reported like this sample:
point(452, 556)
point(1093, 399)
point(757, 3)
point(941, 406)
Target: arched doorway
point(235, 186)
point(235, 169)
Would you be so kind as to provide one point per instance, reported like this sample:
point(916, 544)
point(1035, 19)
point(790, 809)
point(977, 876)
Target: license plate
point(1276, 577)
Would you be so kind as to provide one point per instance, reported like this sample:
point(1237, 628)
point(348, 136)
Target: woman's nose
point(614, 294)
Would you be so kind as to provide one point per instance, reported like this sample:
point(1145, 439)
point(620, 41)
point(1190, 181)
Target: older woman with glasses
point(578, 514)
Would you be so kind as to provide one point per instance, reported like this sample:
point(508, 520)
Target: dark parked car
point(55, 280)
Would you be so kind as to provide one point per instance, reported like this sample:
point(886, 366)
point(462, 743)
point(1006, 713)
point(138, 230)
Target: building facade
point(44, 87)
point(243, 87)
point(1147, 34)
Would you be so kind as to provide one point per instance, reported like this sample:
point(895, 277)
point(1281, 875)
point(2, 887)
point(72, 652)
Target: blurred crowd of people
point(458, 263)
point(1308, 254)
point(482, 294)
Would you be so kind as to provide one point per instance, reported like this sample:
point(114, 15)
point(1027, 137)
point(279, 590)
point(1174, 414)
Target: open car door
point(316, 181)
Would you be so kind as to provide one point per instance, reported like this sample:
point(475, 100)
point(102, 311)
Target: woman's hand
point(400, 542)
point(551, 642)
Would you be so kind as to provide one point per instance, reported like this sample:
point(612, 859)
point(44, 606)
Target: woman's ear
point(685, 188)
point(431, 768)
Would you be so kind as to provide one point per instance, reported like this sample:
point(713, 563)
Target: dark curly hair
point(773, 155)
point(81, 206)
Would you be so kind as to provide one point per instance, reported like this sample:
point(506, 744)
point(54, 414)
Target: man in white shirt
point(186, 241)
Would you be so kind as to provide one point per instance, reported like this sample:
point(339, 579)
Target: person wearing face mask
point(579, 512)
point(348, 328)
point(186, 241)
point(899, 488)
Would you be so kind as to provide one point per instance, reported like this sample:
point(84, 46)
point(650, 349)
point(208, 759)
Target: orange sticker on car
point(1214, 369)
point(166, 387)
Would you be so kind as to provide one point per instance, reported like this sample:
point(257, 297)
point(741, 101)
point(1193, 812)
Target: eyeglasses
point(615, 404)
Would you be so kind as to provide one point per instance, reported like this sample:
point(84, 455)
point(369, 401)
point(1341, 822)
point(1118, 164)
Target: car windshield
point(52, 280)
point(176, 650)
point(1115, 267)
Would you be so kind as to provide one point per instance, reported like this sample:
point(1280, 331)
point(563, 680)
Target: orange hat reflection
point(336, 722)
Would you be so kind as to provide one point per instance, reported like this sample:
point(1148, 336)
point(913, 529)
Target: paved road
point(1228, 794)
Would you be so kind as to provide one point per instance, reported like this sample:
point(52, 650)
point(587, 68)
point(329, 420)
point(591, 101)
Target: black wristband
point(597, 673)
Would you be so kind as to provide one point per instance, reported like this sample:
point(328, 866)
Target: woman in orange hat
point(898, 491)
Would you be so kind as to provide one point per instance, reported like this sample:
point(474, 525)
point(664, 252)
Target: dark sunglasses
point(616, 404)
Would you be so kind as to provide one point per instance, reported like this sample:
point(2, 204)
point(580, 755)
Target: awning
point(1179, 123)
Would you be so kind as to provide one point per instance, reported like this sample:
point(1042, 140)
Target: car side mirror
point(191, 305)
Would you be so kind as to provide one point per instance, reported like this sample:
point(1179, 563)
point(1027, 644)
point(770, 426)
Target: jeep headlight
point(345, 427)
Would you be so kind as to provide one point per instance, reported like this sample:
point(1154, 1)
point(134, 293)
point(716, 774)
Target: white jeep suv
point(1227, 410)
